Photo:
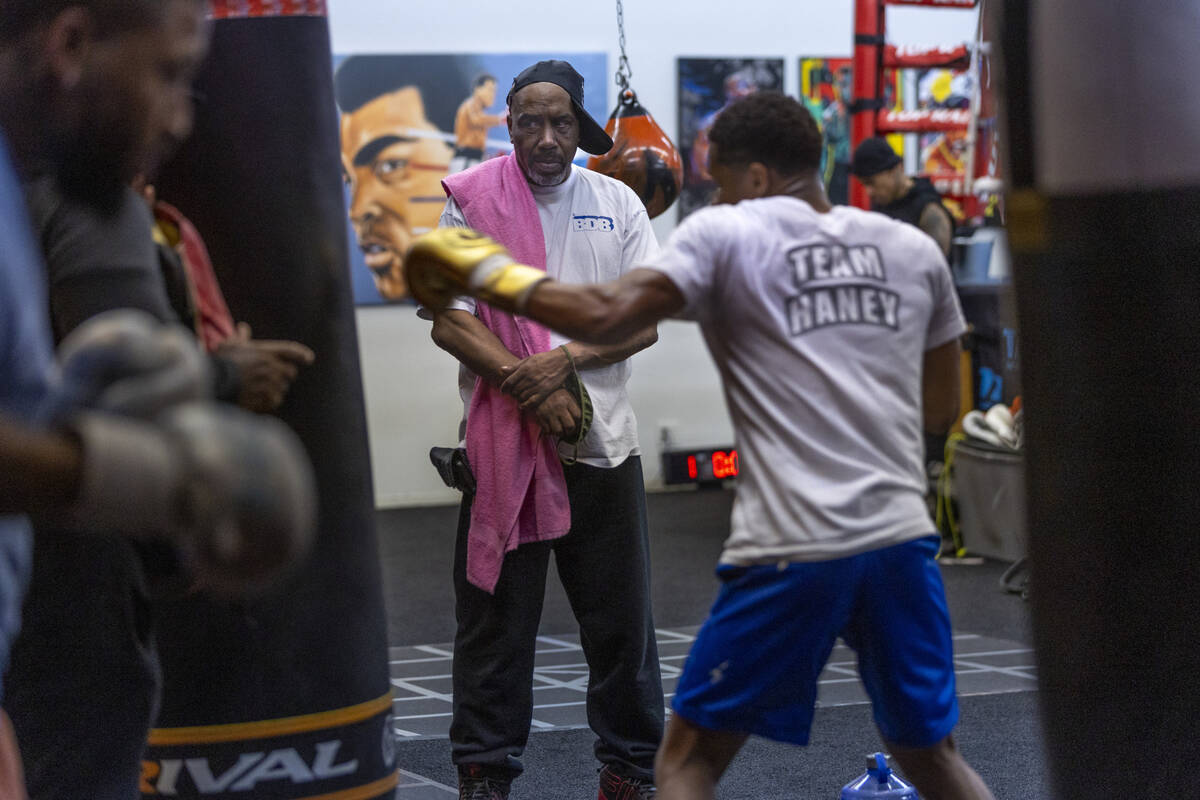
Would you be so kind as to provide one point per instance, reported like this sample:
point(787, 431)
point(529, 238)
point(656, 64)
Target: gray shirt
point(96, 262)
point(819, 325)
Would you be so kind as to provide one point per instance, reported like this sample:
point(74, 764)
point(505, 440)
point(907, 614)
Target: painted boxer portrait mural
point(406, 122)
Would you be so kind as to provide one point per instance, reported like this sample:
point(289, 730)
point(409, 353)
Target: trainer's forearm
point(592, 356)
point(462, 335)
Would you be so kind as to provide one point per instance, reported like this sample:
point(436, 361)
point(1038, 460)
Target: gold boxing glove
point(448, 262)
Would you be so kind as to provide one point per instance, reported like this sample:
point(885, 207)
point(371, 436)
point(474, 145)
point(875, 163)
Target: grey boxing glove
point(127, 362)
point(234, 492)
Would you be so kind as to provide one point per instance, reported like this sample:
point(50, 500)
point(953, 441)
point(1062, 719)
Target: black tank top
point(909, 207)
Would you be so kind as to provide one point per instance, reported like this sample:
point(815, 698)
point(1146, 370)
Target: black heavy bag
point(642, 157)
point(285, 695)
point(1102, 219)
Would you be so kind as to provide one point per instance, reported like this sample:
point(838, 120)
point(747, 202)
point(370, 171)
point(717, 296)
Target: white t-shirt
point(596, 229)
point(818, 324)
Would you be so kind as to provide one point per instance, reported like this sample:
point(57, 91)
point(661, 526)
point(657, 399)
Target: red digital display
point(706, 465)
point(725, 465)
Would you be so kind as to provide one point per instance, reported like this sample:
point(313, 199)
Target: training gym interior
point(326, 136)
point(799, 48)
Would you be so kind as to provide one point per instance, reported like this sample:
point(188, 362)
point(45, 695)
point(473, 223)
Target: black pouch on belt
point(453, 467)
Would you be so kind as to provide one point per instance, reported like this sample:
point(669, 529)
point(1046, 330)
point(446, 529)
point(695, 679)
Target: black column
point(1108, 289)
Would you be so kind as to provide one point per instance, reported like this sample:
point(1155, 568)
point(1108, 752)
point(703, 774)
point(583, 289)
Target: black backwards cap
point(592, 138)
point(872, 157)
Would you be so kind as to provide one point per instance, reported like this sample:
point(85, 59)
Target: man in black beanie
point(901, 196)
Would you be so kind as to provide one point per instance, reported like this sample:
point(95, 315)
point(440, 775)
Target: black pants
point(83, 685)
point(604, 564)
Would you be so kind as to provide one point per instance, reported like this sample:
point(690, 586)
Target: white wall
point(412, 402)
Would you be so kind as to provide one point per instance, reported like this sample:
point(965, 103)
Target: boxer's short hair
point(770, 128)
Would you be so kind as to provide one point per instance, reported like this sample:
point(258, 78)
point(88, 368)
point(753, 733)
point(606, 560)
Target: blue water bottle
point(878, 782)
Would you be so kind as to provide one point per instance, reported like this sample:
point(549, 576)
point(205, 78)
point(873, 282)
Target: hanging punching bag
point(643, 157)
point(286, 695)
point(1102, 213)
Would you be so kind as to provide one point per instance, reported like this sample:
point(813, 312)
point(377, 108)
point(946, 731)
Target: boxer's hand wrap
point(449, 262)
point(127, 362)
point(232, 490)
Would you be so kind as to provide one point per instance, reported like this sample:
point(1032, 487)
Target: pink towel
point(520, 490)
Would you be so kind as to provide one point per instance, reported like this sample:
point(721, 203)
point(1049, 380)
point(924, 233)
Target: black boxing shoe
point(474, 785)
point(614, 786)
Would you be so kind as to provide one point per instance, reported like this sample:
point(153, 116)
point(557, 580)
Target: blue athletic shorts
point(754, 666)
